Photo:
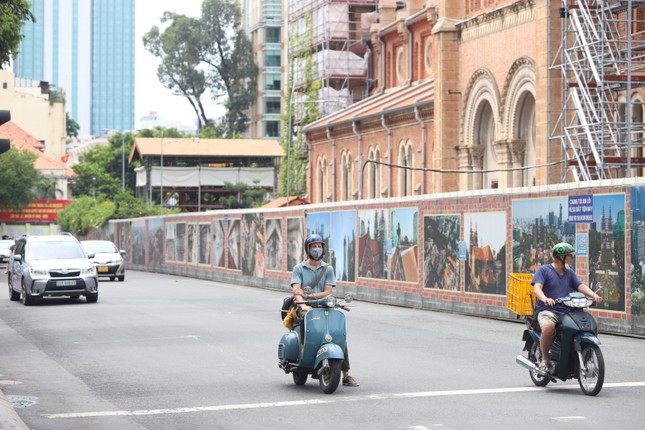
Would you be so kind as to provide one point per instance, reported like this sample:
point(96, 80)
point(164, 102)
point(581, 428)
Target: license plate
point(65, 283)
point(102, 269)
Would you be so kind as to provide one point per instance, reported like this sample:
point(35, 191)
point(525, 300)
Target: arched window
point(485, 138)
point(406, 177)
point(346, 177)
point(322, 180)
point(526, 133)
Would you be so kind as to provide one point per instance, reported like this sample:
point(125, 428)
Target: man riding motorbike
point(552, 281)
point(307, 273)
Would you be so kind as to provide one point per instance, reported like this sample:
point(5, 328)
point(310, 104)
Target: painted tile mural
point(638, 250)
point(295, 241)
point(607, 250)
point(204, 243)
point(403, 233)
point(155, 237)
point(273, 231)
point(233, 244)
point(252, 244)
point(485, 265)
point(342, 245)
point(139, 241)
point(538, 224)
point(218, 243)
point(373, 244)
point(441, 252)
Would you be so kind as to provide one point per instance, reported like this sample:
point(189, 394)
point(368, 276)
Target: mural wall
point(435, 253)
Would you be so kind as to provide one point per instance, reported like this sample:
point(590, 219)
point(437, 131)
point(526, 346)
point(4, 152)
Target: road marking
point(334, 399)
point(567, 419)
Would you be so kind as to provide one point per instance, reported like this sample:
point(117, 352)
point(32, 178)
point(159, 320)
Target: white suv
point(53, 265)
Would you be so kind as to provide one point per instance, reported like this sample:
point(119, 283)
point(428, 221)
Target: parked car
point(108, 259)
point(53, 265)
point(5, 251)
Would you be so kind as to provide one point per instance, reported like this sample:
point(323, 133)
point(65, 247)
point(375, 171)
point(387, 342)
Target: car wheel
point(121, 278)
point(13, 295)
point(27, 300)
point(92, 297)
point(112, 278)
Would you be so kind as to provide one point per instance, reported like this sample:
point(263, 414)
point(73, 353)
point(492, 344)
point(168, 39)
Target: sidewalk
point(9, 419)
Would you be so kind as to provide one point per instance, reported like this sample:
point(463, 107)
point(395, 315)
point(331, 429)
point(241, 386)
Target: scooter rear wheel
point(330, 378)
point(299, 377)
point(535, 355)
point(592, 379)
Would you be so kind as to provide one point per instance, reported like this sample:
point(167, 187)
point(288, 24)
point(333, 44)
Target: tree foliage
point(13, 15)
point(242, 196)
point(100, 169)
point(19, 179)
point(71, 126)
point(211, 52)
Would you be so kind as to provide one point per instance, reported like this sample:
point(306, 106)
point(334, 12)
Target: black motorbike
point(575, 352)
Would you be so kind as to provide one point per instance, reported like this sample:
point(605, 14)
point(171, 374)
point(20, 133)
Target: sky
point(150, 95)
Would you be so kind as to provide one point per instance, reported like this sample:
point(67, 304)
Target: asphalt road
point(165, 352)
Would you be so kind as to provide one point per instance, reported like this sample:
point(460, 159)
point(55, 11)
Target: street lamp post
point(122, 164)
point(94, 187)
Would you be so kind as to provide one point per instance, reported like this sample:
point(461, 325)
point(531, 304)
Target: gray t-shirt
point(305, 275)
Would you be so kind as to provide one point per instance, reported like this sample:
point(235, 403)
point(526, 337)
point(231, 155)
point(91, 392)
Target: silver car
point(53, 265)
point(108, 259)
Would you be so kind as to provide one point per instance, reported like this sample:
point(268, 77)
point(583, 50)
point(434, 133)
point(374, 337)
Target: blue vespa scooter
point(316, 346)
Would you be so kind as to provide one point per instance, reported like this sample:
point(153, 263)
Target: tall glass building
point(86, 49)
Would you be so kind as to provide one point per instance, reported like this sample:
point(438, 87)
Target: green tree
point(13, 15)
point(179, 69)
point(85, 214)
point(19, 179)
point(293, 168)
point(71, 126)
point(100, 169)
point(241, 196)
point(212, 51)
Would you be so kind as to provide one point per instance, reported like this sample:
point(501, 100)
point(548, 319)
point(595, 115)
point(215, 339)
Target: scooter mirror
point(349, 298)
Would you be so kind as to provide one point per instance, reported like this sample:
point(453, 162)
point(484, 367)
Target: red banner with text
point(44, 211)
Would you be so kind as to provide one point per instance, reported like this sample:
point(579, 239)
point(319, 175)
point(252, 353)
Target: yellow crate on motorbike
point(519, 294)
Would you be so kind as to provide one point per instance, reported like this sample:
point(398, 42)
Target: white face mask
point(315, 252)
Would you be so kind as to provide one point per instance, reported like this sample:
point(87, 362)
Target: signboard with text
point(40, 211)
point(581, 209)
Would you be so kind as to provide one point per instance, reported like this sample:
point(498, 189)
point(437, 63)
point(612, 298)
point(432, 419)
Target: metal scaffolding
point(331, 33)
point(602, 64)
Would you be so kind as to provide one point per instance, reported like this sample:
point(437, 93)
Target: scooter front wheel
point(593, 377)
point(330, 377)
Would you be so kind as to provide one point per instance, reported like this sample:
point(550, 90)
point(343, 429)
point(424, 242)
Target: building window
point(272, 81)
point(374, 174)
point(322, 180)
point(272, 105)
point(272, 128)
point(406, 177)
point(346, 177)
point(273, 35)
point(272, 58)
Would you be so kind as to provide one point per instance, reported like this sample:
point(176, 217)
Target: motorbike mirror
point(349, 298)
point(307, 290)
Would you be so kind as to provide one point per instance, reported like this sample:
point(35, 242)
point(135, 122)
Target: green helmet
point(562, 248)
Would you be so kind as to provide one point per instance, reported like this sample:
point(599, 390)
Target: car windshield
point(54, 250)
point(102, 247)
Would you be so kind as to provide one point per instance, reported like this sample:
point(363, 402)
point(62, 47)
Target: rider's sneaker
point(349, 381)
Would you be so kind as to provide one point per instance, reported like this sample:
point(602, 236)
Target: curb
point(9, 419)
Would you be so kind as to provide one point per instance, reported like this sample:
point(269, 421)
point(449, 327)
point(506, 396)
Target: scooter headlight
point(330, 301)
point(578, 302)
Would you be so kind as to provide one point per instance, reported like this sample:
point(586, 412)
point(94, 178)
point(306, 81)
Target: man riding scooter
point(550, 282)
point(312, 271)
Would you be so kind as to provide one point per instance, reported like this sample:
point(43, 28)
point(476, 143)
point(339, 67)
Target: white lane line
point(335, 399)
point(567, 419)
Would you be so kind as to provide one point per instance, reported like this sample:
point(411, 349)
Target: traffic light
point(5, 144)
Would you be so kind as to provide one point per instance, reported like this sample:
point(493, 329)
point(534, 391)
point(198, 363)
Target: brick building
point(466, 96)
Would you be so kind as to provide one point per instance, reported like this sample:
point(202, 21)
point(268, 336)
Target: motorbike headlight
point(578, 302)
point(330, 301)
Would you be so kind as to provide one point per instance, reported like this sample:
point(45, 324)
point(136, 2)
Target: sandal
point(544, 367)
